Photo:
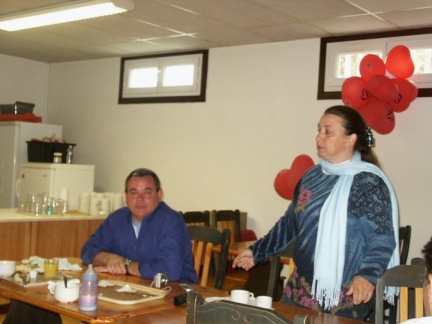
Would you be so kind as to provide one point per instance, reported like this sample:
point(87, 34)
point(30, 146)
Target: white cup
point(241, 296)
point(264, 301)
point(64, 294)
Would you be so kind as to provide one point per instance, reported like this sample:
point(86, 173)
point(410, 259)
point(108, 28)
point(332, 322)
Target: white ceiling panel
point(159, 26)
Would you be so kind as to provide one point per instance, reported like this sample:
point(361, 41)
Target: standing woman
point(344, 220)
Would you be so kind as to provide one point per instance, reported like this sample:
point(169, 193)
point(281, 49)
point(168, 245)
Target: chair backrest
point(404, 243)
point(229, 219)
point(228, 312)
point(276, 268)
point(404, 277)
point(196, 218)
point(203, 238)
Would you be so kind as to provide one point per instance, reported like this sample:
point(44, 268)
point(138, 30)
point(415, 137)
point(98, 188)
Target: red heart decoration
point(287, 179)
point(399, 62)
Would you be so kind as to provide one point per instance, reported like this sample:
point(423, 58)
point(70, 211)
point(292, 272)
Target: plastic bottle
point(69, 155)
point(88, 299)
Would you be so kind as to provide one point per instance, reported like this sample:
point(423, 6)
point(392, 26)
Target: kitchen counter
point(13, 215)
point(47, 236)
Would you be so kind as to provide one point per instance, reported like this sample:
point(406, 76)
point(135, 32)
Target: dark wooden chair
point(203, 238)
point(229, 219)
point(227, 312)
point(404, 244)
point(275, 283)
point(403, 276)
point(196, 218)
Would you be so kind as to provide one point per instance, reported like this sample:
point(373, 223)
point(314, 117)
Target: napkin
point(126, 288)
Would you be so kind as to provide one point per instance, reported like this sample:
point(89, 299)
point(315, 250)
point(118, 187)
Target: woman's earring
point(369, 137)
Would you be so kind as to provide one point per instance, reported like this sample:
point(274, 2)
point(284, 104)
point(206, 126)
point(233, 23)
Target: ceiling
point(163, 26)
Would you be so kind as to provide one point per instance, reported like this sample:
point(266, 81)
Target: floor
point(234, 280)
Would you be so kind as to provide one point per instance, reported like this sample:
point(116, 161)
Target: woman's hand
point(244, 260)
point(361, 290)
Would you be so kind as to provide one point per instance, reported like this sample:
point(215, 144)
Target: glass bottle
point(88, 299)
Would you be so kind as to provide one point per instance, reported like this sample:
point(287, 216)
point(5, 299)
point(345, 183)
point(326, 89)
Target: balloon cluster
point(376, 96)
point(287, 179)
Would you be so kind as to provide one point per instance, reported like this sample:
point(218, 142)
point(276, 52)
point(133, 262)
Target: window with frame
point(178, 77)
point(340, 58)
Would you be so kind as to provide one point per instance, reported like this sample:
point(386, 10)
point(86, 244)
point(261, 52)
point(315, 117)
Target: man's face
point(142, 197)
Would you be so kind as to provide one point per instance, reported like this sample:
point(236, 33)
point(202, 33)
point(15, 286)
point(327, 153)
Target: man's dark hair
point(142, 172)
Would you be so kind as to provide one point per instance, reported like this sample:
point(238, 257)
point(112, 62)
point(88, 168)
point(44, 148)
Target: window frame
point(161, 96)
point(325, 95)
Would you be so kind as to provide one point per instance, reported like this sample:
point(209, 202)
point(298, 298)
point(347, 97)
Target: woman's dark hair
point(354, 123)
point(139, 173)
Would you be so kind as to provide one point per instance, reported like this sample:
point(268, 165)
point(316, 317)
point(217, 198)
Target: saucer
point(252, 301)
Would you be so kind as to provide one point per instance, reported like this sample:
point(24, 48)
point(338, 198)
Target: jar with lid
point(58, 157)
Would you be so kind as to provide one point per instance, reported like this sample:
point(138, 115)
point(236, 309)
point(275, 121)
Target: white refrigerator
point(13, 152)
point(57, 179)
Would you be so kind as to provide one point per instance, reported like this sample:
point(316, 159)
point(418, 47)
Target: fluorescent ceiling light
point(76, 10)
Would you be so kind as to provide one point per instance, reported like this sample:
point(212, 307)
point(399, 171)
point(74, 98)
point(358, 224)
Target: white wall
point(261, 112)
point(24, 80)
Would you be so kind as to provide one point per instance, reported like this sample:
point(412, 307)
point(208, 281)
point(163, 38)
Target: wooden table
point(106, 312)
point(178, 315)
point(151, 312)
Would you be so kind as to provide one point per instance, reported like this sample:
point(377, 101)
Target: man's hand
point(109, 262)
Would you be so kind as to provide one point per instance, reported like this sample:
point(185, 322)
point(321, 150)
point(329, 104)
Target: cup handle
point(51, 287)
point(251, 296)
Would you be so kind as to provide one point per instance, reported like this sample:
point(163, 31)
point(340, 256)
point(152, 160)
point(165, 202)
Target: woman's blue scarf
point(330, 245)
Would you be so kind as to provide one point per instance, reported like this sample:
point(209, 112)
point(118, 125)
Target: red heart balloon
point(407, 93)
point(354, 92)
point(371, 65)
point(281, 184)
point(399, 62)
point(300, 165)
point(382, 88)
point(379, 116)
point(287, 179)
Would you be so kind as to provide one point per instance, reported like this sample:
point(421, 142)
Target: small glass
point(51, 268)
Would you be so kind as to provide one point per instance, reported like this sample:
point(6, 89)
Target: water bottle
point(69, 154)
point(88, 299)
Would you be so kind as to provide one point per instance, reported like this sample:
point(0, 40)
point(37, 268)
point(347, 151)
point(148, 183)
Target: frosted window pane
point(178, 75)
point(422, 58)
point(143, 78)
point(348, 64)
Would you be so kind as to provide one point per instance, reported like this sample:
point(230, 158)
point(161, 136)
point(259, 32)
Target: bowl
point(7, 268)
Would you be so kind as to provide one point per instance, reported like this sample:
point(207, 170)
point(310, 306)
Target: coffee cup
point(7, 268)
point(264, 301)
point(241, 296)
point(65, 294)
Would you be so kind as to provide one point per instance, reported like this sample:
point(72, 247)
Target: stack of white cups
point(105, 206)
point(118, 201)
point(97, 203)
point(84, 202)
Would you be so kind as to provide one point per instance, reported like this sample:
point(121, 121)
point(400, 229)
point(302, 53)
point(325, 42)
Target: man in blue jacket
point(144, 238)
